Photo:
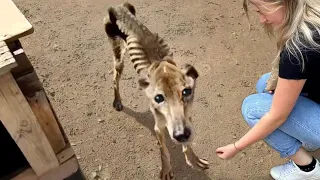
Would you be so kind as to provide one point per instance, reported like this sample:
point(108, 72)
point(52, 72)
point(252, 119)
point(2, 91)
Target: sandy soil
point(71, 55)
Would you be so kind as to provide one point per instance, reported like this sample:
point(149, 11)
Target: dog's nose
point(182, 136)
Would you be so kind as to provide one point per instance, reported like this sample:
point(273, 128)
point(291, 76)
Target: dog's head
point(171, 92)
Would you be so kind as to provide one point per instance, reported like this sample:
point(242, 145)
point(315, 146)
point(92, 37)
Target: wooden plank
point(24, 65)
point(18, 118)
point(65, 154)
point(59, 124)
point(7, 62)
point(63, 171)
point(28, 174)
point(29, 84)
point(16, 26)
point(48, 122)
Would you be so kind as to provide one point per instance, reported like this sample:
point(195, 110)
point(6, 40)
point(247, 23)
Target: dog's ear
point(143, 81)
point(190, 70)
point(130, 7)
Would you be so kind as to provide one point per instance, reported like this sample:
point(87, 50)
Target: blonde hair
point(301, 25)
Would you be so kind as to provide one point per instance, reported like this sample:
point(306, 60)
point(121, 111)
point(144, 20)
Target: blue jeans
point(302, 125)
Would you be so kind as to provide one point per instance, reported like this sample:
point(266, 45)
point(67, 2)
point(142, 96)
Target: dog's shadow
point(180, 169)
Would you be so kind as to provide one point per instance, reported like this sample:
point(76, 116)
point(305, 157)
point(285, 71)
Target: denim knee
point(262, 82)
point(248, 109)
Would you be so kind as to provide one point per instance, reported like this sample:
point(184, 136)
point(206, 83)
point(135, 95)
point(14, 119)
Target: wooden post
point(20, 121)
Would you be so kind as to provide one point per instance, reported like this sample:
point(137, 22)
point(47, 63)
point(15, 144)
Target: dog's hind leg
point(118, 65)
point(193, 160)
point(116, 37)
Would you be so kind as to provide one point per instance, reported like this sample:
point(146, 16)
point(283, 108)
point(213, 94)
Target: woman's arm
point(285, 97)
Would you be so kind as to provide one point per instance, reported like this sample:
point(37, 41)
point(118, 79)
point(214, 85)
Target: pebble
point(243, 154)
point(94, 174)
point(100, 120)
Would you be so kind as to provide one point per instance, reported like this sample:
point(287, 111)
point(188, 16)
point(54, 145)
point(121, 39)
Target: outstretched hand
point(227, 152)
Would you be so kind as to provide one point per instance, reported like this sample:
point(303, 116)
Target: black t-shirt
point(290, 67)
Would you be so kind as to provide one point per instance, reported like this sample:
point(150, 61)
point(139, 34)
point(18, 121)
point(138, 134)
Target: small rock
point(73, 144)
point(78, 157)
point(261, 161)
point(234, 136)
point(243, 154)
point(94, 174)
point(100, 120)
point(99, 168)
point(52, 94)
point(55, 47)
point(259, 145)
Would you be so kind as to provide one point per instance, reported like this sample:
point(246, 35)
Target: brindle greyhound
point(169, 88)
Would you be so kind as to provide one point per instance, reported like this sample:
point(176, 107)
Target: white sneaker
point(290, 171)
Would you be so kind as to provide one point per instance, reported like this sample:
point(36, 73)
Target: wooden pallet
point(25, 110)
point(28, 116)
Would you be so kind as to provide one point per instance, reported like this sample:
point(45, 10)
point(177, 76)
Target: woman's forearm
point(262, 129)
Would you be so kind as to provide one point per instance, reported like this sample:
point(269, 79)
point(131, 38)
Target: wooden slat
point(29, 84)
point(48, 122)
point(18, 118)
point(12, 22)
point(24, 65)
point(7, 62)
point(65, 170)
point(65, 154)
point(26, 173)
point(66, 140)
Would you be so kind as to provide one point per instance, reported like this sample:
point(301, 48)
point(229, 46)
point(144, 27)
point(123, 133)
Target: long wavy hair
point(300, 28)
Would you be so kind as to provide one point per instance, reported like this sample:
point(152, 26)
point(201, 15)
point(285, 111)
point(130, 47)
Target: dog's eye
point(159, 98)
point(186, 92)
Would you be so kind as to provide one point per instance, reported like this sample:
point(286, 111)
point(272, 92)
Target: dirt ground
point(73, 59)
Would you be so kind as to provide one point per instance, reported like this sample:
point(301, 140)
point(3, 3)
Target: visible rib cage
point(143, 46)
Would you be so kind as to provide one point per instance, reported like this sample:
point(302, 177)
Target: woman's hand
point(227, 152)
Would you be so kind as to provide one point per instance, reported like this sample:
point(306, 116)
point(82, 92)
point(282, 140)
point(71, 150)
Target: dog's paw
point(117, 105)
point(198, 163)
point(166, 175)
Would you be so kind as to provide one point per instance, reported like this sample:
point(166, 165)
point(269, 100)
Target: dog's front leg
point(165, 173)
point(193, 160)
